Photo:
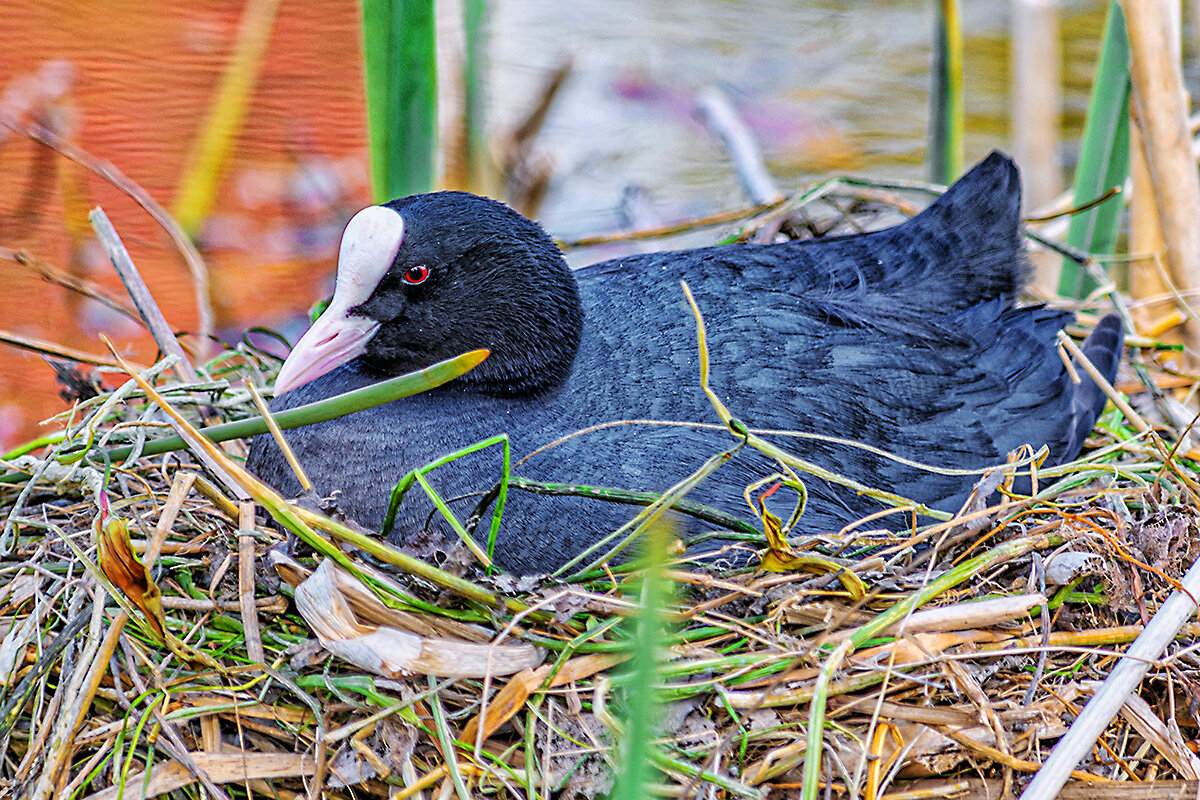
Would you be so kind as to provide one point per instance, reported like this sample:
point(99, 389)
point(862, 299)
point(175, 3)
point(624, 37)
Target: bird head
point(431, 276)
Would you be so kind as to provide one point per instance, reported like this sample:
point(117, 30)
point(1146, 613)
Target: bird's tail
point(972, 234)
point(1103, 349)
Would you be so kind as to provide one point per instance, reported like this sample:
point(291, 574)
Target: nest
point(156, 633)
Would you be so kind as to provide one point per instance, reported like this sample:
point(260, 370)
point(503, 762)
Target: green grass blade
point(635, 766)
point(631, 497)
point(377, 29)
point(418, 476)
point(1104, 156)
point(346, 403)
point(946, 108)
point(446, 738)
point(399, 41)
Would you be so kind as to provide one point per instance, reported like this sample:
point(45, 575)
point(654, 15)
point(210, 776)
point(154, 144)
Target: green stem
point(1104, 157)
point(946, 108)
point(399, 41)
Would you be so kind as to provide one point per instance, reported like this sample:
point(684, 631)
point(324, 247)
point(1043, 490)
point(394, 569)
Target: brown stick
point(80, 286)
point(188, 251)
point(160, 329)
point(57, 350)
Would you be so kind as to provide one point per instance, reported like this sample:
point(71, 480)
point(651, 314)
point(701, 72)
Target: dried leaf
point(509, 700)
point(127, 572)
point(392, 652)
point(780, 557)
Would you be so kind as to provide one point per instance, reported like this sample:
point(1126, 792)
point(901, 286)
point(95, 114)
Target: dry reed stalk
point(1036, 98)
point(1160, 101)
point(1148, 250)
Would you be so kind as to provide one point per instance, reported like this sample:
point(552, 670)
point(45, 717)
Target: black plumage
point(907, 339)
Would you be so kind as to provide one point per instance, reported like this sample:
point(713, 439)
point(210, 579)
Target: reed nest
point(158, 635)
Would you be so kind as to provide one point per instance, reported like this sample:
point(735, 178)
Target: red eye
point(416, 274)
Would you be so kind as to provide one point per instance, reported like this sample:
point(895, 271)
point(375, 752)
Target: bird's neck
point(537, 356)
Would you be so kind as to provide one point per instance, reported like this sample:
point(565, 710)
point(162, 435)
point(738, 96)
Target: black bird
point(907, 339)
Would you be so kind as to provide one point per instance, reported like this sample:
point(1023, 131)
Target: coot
point(907, 339)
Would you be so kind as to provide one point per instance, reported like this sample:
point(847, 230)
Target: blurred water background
point(827, 87)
